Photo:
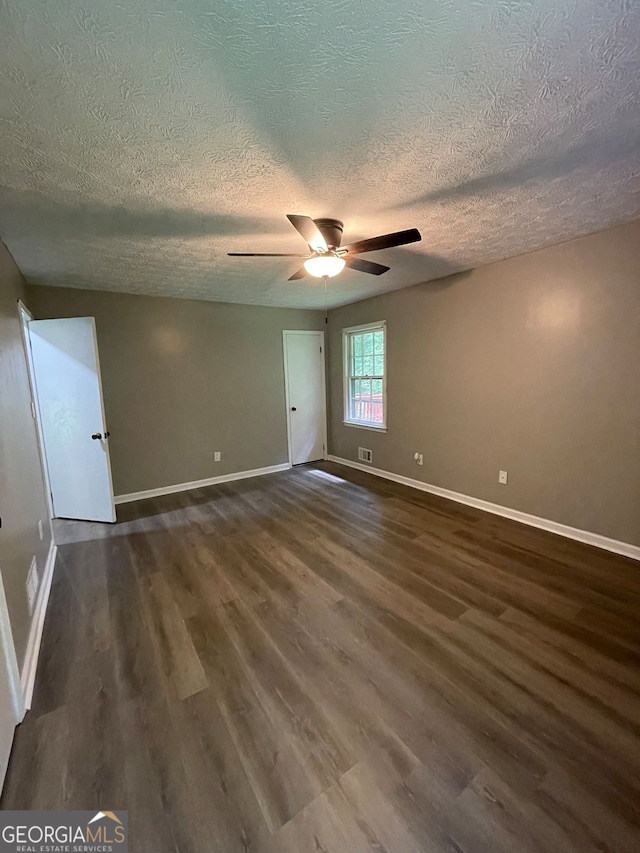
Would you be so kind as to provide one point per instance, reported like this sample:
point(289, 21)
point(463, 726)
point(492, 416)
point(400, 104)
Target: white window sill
point(365, 426)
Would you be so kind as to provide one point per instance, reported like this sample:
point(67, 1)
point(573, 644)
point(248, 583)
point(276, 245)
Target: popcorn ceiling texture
point(140, 141)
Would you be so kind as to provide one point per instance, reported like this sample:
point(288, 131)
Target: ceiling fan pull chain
point(326, 309)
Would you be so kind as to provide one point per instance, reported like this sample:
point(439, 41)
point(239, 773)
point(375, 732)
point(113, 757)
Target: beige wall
point(531, 365)
point(182, 379)
point(22, 494)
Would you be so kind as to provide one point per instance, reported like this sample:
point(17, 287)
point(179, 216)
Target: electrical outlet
point(40, 531)
point(217, 456)
point(365, 455)
point(502, 477)
point(418, 458)
point(33, 581)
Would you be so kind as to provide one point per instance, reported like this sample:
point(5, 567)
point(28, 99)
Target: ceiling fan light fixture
point(324, 265)
point(324, 237)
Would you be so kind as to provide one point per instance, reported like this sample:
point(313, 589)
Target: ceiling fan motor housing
point(331, 230)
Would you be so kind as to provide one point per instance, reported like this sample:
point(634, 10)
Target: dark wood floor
point(323, 661)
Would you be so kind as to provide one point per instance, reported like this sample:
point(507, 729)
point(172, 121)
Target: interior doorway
point(306, 397)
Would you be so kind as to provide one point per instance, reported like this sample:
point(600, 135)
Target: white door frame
point(10, 658)
point(286, 385)
point(10, 671)
point(26, 315)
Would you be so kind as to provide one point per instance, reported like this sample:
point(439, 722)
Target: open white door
point(69, 390)
point(305, 395)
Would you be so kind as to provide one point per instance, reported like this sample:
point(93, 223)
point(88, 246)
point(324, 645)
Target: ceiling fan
point(327, 258)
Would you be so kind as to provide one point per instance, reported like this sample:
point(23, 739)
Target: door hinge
point(320, 349)
point(33, 410)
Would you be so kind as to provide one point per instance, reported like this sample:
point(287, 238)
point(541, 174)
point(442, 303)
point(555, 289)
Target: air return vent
point(364, 455)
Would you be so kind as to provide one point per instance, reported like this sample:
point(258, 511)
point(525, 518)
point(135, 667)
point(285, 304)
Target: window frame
point(380, 326)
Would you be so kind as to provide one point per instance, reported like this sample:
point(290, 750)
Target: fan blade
point(385, 241)
point(262, 255)
point(364, 266)
point(300, 274)
point(305, 226)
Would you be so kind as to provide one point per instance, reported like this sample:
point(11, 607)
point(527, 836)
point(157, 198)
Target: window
point(364, 376)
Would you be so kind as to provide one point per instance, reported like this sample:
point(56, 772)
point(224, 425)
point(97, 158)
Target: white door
point(69, 390)
point(11, 702)
point(305, 395)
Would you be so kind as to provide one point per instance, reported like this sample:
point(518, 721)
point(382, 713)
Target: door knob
point(107, 434)
point(96, 435)
point(293, 408)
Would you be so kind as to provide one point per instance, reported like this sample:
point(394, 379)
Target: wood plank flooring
point(322, 661)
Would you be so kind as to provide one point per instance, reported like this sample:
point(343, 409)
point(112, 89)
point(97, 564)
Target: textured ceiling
point(141, 140)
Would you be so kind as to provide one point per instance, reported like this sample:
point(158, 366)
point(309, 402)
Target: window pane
point(356, 341)
point(367, 343)
point(376, 388)
point(378, 368)
point(363, 405)
point(359, 402)
point(367, 365)
point(379, 343)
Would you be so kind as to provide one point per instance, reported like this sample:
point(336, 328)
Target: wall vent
point(364, 455)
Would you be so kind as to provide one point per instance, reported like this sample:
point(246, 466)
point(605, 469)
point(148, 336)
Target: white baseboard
point(198, 484)
point(30, 665)
point(585, 536)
